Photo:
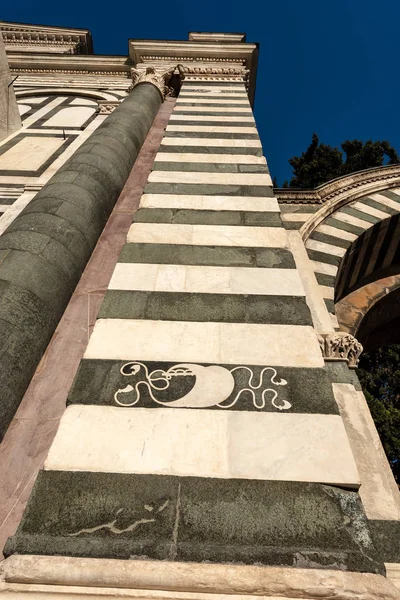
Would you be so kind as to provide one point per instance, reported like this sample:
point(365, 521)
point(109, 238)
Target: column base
point(48, 577)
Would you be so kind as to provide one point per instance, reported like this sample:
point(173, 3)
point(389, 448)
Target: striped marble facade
point(202, 424)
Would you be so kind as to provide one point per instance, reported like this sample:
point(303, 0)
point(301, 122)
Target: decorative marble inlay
point(340, 346)
point(107, 107)
point(202, 387)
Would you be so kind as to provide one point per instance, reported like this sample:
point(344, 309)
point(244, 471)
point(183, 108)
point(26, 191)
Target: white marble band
point(196, 202)
point(212, 109)
point(240, 159)
point(190, 341)
point(208, 235)
point(209, 129)
point(210, 178)
point(211, 142)
point(206, 280)
point(220, 119)
point(234, 444)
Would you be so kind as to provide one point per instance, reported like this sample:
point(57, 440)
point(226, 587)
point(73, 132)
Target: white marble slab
point(324, 268)
point(221, 119)
point(324, 247)
point(240, 159)
point(34, 100)
point(204, 279)
point(208, 235)
point(336, 232)
point(296, 217)
point(74, 116)
point(211, 142)
point(23, 109)
point(84, 102)
point(211, 129)
point(370, 210)
point(341, 216)
point(212, 109)
point(30, 153)
point(196, 202)
point(191, 341)
point(173, 441)
point(181, 100)
point(210, 178)
point(386, 201)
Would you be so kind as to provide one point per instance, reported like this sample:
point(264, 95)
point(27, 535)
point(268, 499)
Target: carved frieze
point(340, 345)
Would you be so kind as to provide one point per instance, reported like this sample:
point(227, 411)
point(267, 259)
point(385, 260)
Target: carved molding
point(340, 346)
point(370, 178)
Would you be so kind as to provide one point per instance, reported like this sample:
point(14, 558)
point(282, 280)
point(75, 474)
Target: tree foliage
point(321, 162)
point(379, 374)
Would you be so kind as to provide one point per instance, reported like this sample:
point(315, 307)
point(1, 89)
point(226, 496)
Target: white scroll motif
point(213, 386)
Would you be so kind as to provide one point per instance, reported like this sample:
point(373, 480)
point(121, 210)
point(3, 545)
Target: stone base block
point(46, 578)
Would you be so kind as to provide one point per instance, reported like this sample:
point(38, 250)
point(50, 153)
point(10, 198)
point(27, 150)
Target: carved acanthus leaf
point(340, 345)
point(159, 78)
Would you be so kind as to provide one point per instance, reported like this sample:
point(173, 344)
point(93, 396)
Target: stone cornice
point(34, 63)
point(360, 183)
point(18, 36)
point(209, 60)
point(339, 192)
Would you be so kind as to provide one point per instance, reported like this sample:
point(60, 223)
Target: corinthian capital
point(160, 79)
point(340, 346)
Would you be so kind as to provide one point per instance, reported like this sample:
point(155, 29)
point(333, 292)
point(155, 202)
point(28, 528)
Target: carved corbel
point(340, 345)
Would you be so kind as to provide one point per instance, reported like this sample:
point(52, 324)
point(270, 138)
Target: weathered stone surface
point(181, 254)
point(196, 519)
point(113, 577)
point(222, 308)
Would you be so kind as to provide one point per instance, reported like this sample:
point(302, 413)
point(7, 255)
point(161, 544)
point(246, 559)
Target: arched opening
point(367, 305)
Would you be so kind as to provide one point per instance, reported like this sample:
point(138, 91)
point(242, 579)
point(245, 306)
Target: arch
point(60, 91)
point(353, 242)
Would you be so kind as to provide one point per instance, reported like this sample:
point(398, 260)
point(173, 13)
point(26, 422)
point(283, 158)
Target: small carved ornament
point(340, 345)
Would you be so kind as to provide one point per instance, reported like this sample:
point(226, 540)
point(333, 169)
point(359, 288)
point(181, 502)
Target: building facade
point(180, 415)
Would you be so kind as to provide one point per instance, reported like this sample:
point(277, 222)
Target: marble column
point(45, 249)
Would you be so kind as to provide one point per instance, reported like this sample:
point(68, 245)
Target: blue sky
point(329, 66)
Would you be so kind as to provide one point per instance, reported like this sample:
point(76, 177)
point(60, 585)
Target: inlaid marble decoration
point(197, 386)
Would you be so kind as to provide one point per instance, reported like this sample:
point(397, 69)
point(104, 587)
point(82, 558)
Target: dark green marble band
point(45, 249)
point(220, 308)
point(208, 217)
point(216, 167)
point(213, 256)
point(208, 189)
point(195, 519)
point(193, 149)
point(307, 390)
